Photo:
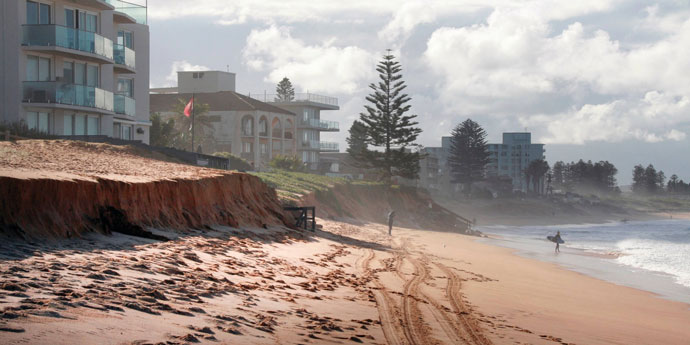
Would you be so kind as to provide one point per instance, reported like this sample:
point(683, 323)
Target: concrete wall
point(206, 81)
point(12, 15)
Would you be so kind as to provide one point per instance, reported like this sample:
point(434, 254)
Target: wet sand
point(349, 283)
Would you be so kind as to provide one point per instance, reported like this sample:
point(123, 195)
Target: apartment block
point(248, 128)
point(511, 157)
point(310, 124)
point(76, 67)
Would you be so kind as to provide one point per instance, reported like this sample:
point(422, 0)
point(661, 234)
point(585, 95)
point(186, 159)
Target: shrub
point(289, 163)
point(20, 129)
point(236, 163)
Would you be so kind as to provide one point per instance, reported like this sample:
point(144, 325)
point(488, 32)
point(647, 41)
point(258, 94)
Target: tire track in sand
point(469, 325)
point(392, 329)
point(413, 323)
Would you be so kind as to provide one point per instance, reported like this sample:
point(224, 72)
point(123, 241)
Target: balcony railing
point(320, 124)
point(299, 97)
point(125, 105)
point(326, 146)
point(311, 144)
point(67, 94)
point(132, 9)
point(51, 35)
point(124, 56)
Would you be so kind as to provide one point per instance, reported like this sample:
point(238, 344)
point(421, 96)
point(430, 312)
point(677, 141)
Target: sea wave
point(659, 256)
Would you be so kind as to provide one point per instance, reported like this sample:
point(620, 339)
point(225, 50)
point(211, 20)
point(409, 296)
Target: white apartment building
point(76, 67)
point(513, 156)
point(243, 126)
point(308, 107)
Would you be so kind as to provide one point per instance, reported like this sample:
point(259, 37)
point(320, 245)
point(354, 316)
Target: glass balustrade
point(67, 94)
point(138, 11)
point(327, 146)
point(125, 105)
point(124, 56)
point(52, 35)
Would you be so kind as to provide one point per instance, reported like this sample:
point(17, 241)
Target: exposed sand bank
point(63, 188)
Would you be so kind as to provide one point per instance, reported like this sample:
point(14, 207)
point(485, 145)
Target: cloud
point(320, 67)
point(583, 84)
point(652, 119)
point(182, 65)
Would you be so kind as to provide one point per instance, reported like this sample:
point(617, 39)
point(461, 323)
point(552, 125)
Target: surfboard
point(553, 239)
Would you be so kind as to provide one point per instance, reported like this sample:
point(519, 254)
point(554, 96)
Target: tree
point(385, 126)
point(558, 172)
point(638, 185)
point(203, 127)
point(651, 179)
point(357, 145)
point(284, 90)
point(162, 132)
point(469, 154)
point(536, 171)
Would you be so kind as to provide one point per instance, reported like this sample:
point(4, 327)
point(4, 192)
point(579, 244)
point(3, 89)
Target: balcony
point(310, 145)
point(319, 100)
point(125, 59)
point(326, 146)
point(322, 125)
point(130, 12)
point(68, 41)
point(125, 105)
point(61, 95)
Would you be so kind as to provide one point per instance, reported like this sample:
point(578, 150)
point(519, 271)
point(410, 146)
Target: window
point(92, 125)
point(37, 121)
point(263, 127)
point(198, 75)
point(116, 130)
point(125, 87)
point(127, 132)
point(37, 13)
point(79, 125)
point(248, 125)
point(68, 72)
point(80, 73)
point(246, 147)
point(69, 18)
point(264, 148)
point(92, 75)
point(67, 124)
point(124, 38)
point(37, 68)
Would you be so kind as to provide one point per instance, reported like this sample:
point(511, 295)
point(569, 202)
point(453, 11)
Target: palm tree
point(536, 171)
point(203, 131)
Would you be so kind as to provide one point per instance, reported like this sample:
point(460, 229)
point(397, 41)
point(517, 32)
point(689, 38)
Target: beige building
point(308, 108)
point(245, 127)
point(75, 67)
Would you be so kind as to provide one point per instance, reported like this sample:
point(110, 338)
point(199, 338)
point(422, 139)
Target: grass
point(651, 203)
point(291, 186)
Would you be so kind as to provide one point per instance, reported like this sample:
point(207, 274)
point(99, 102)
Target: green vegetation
point(20, 129)
point(236, 163)
point(292, 185)
point(289, 163)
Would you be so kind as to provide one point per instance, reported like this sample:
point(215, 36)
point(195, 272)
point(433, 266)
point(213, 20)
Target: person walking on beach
point(558, 239)
point(391, 216)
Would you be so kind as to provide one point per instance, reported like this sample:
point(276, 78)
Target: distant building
point(245, 127)
point(76, 68)
point(308, 107)
point(513, 156)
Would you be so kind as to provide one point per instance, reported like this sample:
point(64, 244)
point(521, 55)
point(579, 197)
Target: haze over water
point(650, 255)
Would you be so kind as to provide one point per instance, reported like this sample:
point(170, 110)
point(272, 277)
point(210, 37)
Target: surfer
point(558, 240)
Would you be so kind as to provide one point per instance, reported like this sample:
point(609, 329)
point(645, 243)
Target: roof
point(217, 101)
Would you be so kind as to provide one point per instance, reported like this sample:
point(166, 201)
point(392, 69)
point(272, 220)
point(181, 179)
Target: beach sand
point(350, 283)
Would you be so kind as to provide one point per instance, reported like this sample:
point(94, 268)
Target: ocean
point(648, 255)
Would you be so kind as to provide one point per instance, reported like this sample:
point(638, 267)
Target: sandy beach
point(349, 283)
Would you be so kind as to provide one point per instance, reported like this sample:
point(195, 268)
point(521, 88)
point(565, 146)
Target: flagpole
point(193, 106)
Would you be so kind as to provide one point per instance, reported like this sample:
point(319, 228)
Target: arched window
point(248, 125)
point(288, 129)
point(276, 127)
point(263, 127)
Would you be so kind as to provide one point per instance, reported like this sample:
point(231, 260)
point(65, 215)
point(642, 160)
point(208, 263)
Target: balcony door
point(37, 13)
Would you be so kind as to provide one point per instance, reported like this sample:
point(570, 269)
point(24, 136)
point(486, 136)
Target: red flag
point(188, 109)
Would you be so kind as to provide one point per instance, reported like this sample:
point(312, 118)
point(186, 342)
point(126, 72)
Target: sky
point(597, 80)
